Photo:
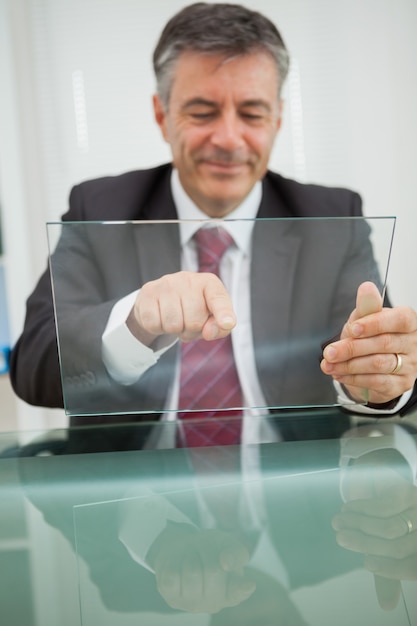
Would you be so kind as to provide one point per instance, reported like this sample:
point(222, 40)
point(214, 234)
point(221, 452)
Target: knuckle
point(350, 349)
point(381, 364)
point(172, 327)
point(350, 367)
point(409, 381)
point(148, 289)
point(387, 341)
point(391, 530)
point(383, 384)
point(407, 318)
point(148, 321)
point(194, 326)
point(402, 551)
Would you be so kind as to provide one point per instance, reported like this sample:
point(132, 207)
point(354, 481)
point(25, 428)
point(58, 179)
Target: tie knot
point(212, 243)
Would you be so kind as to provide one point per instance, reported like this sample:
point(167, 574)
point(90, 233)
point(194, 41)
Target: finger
point(238, 589)
point(386, 528)
point(374, 388)
point(182, 304)
point(234, 559)
point(395, 569)
point(396, 320)
point(370, 372)
point(383, 364)
point(158, 307)
point(356, 541)
point(192, 575)
point(398, 499)
point(168, 582)
point(171, 313)
point(388, 592)
point(147, 314)
point(219, 305)
point(383, 344)
point(368, 300)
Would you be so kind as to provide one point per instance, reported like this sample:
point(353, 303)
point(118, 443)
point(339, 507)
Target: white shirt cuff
point(143, 519)
point(125, 358)
point(344, 400)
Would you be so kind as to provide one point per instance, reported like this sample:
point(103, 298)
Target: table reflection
point(177, 532)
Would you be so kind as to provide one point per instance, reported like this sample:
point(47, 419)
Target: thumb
point(368, 300)
point(388, 592)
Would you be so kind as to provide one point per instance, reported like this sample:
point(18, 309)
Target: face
point(221, 124)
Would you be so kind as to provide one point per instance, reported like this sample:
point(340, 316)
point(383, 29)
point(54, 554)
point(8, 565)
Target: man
point(220, 71)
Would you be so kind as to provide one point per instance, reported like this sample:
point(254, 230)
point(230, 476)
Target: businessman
point(219, 71)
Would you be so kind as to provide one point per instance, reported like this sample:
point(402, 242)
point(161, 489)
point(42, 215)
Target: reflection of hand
point(365, 356)
point(187, 305)
point(380, 521)
point(200, 571)
point(269, 604)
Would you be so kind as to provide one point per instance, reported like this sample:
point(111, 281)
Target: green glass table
point(320, 531)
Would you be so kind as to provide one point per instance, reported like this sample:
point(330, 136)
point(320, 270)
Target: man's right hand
point(186, 305)
point(200, 571)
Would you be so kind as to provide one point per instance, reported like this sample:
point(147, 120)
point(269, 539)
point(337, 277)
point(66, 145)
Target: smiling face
point(221, 124)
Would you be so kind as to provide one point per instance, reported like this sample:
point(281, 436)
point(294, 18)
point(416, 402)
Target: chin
point(227, 195)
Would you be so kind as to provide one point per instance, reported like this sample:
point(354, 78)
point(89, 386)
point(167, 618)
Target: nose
point(228, 132)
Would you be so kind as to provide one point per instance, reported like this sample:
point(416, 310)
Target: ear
point(160, 115)
point(280, 111)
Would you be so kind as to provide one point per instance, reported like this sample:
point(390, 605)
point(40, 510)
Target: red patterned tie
point(208, 379)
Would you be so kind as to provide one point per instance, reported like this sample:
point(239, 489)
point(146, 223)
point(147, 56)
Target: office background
point(76, 84)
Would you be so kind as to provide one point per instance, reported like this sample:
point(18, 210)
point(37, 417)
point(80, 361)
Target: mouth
point(228, 168)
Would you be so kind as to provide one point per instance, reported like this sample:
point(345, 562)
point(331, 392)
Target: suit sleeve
point(93, 266)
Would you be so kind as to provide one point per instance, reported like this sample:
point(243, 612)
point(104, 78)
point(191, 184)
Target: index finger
point(222, 316)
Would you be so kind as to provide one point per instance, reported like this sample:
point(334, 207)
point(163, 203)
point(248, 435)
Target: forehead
point(245, 75)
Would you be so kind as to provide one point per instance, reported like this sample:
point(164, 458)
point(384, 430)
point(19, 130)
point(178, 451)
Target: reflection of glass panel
point(166, 553)
point(303, 280)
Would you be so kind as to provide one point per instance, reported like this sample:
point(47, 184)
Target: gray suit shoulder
point(120, 196)
point(315, 200)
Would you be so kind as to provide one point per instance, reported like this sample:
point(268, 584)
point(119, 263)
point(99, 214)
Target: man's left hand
point(376, 356)
point(379, 520)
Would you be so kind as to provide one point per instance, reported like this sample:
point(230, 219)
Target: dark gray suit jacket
point(107, 263)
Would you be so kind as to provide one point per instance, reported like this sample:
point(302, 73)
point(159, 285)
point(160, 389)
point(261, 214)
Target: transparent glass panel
point(215, 545)
point(293, 283)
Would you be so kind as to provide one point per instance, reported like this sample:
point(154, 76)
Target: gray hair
point(228, 29)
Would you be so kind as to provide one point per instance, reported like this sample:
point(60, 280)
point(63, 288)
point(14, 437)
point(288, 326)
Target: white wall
point(76, 85)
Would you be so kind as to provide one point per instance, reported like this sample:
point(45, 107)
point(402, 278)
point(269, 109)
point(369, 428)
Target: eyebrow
point(198, 102)
point(211, 103)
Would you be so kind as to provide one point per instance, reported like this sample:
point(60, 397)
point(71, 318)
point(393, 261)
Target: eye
point(202, 115)
point(253, 116)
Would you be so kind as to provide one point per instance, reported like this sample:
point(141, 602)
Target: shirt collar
point(188, 213)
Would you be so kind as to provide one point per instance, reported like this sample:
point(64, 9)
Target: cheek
point(261, 143)
point(187, 139)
